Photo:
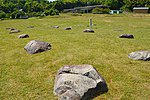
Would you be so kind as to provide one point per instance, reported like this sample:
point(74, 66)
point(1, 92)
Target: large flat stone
point(79, 82)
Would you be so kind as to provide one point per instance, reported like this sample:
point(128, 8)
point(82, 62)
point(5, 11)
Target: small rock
point(88, 30)
point(23, 36)
point(36, 46)
point(14, 31)
point(140, 55)
point(55, 26)
point(80, 82)
point(126, 36)
point(10, 29)
point(67, 28)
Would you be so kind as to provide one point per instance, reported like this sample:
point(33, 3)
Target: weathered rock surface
point(10, 29)
point(80, 82)
point(23, 36)
point(14, 31)
point(55, 26)
point(140, 55)
point(36, 46)
point(126, 36)
point(67, 28)
point(88, 30)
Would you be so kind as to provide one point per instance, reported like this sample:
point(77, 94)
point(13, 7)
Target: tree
point(129, 4)
point(17, 14)
point(2, 14)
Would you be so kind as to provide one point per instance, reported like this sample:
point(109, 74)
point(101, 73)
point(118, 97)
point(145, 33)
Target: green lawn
point(31, 77)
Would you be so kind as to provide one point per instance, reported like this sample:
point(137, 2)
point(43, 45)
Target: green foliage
point(34, 14)
point(32, 8)
point(47, 12)
point(129, 4)
point(97, 11)
point(17, 14)
point(101, 10)
point(2, 14)
point(51, 12)
point(76, 14)
point(106, 10)
point(10, 7)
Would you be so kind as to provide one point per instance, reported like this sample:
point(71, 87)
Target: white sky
point(51, 0)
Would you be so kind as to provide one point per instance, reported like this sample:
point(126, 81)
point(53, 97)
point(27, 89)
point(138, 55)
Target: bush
point(76, 14)
point(2, 14)
point(17, 14)
point(46, 12)
point(34, 14)
point(51, 12)
point(7, 15)
point(106, 10)
point(37, 14)
point(100, 10)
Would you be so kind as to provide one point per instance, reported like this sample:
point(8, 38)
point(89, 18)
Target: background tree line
point(26, 8)
point(33, 8)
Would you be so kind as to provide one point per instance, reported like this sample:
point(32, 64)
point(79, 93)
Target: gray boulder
point(126, 36)
point(80, 82)
point(23, 36)
point(88, 30)
point(36, 46)
point(140, 55)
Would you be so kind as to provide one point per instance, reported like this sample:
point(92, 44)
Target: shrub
point(97, 11)
point(7, 15)
point(106, 10)
point(54, 12)
point(51, 12)
point(76, 14)
point(46, 12)
point(17, 14)
point(2, 14)
point(100, 10)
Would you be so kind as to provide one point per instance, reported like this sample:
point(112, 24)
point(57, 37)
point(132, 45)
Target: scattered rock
point(36, 46)
point(140, 55)
point(55, 26)
point(126, 36)
point(14, 31)
point(80, 82)
point(23, 36)
point(67, 28)
point(10, 29)
point(88, 30)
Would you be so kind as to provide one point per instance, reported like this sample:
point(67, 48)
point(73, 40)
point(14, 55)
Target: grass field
point(31, 77)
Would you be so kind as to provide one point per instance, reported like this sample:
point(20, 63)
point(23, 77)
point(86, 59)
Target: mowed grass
point(31, 77)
